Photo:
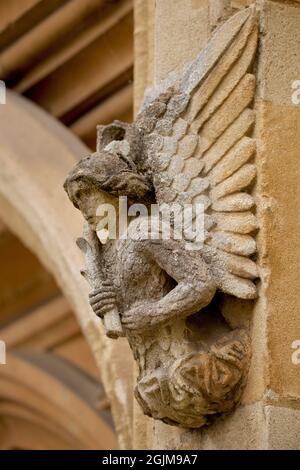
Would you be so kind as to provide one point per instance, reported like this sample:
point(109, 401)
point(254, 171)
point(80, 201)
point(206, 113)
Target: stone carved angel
point(190, 143)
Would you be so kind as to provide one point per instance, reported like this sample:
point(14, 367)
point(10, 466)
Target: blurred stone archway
point(36, 153)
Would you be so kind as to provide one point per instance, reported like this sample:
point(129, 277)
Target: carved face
point(102, 177)
point(88, 199)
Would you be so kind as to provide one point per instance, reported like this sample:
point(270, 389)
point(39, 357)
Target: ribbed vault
point(46, 405)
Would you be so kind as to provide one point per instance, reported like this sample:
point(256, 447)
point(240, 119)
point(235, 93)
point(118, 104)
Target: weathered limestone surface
point(189, 143)
point(178, 22)
point(143, 48)
point(278, 134)
point(220, 10)
point(192, 361)
point(270, 412)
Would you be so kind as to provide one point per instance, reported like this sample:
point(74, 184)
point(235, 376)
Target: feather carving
point(197, 129)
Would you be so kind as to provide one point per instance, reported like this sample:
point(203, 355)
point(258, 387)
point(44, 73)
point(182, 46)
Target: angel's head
point(109, 172)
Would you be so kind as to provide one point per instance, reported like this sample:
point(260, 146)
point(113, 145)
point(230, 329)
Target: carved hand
point(103, 299)
point(139, 318)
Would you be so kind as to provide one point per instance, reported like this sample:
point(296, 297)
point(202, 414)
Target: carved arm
point(194, 290)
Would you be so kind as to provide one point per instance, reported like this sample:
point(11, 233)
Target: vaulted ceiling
point(74, 58)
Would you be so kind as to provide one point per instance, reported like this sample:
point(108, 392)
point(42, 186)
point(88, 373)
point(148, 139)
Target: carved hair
point(109, 173)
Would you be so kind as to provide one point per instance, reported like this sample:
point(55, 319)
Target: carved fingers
point(103, 299)
point(136, 319)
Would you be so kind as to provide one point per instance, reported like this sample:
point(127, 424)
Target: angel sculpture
point(190, 143)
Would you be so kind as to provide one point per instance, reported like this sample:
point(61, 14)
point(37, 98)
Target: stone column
point(269, 415)
point(278, 190)
point(169, 33)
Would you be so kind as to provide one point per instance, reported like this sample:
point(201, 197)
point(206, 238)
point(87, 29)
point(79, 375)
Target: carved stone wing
point(197, 131)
